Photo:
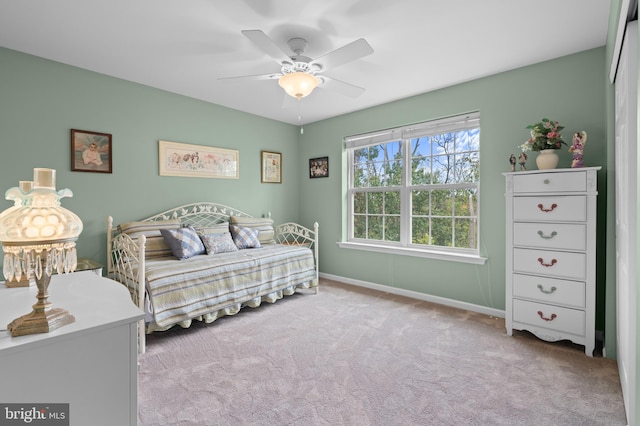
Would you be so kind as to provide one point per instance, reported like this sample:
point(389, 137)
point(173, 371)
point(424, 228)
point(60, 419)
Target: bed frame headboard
point(199, 214)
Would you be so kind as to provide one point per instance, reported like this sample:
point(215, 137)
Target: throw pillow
point(184, 242)
point(218, 228)
point(245, 237)
point(156, 245)
point(218, 243)
point(262, 224)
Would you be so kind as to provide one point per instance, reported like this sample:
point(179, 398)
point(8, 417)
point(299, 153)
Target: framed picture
point(319, 167)
point(181, 159)
point(90, 151)
point(271, 163)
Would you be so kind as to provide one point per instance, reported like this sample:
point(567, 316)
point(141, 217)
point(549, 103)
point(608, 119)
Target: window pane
point(421, 171)
point(392, 202)
point(420, 161)
point(379, 165)
point(466, 202)
point(441, 202)
point(360, 226)
point(421, 147)
point(392, 228)
point(375, 227)
point(374, 202)
point(360, 176)
point(466, 168)
point(359, 202)
point(420, 230)
point(466, 232)
point(441, 231)
point(442, 169)
point(420, 202)
point(443, 144)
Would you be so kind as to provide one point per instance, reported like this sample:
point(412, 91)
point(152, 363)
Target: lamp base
point(22, 283)
point(40, 321)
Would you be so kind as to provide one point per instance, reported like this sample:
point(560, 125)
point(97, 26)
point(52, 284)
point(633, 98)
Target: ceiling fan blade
point(273, 76)
point(267, 45)
point(346, 89)
point(347, 53)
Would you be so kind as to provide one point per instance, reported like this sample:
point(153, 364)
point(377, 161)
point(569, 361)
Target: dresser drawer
point(550, 263)
point(549, 290)
point(548, 316)
point(550, 235)
point(566, 208)
point(550, 182)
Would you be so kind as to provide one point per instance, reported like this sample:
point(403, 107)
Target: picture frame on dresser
point(91, 151)
point(550, 274)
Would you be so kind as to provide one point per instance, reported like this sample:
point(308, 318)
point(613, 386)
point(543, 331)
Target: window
point(416, 187)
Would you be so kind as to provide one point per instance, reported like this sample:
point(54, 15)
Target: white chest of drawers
point(551, 254)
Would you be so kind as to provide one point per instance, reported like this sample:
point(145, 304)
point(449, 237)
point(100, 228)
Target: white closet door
point(627, 208)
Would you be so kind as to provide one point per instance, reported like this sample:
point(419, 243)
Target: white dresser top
point(96, 303)
point(562, 170)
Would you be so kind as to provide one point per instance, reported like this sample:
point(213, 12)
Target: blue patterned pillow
point(184, 242)
point(218, 243)
point(245, 237)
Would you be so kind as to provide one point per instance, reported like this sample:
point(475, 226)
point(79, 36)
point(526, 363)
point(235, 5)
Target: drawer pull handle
point(546, 181)
point(547, 237)
point(553, 206)
point(547, 265)
point(553, 289)
point(551, 318)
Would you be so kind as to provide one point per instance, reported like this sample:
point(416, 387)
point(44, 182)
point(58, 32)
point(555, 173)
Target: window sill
point(404, 251)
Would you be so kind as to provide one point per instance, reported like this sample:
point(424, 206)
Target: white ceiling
point(184, 46)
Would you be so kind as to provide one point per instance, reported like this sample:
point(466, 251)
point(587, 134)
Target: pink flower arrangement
point(544, 135)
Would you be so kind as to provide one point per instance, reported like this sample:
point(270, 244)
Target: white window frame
point(404, 246)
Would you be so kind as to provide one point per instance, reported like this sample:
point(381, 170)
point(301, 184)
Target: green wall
point(569, 89)
point(41, 100)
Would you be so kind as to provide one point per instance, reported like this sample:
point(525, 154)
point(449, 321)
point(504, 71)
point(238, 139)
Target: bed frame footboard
point(295, 234)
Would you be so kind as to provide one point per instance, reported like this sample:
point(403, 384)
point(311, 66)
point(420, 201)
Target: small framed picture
point(271, 167)
point(90, 151)
point(319, 167)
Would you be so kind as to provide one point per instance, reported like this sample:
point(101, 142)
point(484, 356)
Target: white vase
point(547, 159)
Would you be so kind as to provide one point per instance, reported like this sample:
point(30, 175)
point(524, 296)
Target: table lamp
point(38, 237)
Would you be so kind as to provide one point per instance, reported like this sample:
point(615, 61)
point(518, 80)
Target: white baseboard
point(417, 295)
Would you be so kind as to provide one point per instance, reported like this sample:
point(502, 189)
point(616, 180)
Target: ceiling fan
point(299, 74)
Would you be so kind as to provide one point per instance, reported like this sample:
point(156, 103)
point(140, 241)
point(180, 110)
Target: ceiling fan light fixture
point(298, 84)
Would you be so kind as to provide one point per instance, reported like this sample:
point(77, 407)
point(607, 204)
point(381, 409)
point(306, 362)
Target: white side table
point(90, 364)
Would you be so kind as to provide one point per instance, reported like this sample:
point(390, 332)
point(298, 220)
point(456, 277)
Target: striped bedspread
point(180, 290)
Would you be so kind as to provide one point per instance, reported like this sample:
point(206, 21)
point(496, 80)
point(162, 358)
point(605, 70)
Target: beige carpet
point(352, 356)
